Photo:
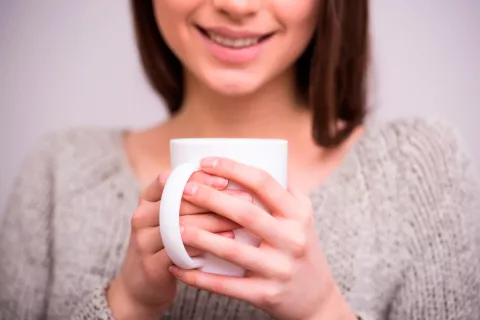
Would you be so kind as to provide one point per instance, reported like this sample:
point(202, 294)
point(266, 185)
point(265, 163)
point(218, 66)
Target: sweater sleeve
point(93, 306)
point(25, 240)
point(443, 279)
point(27, 245)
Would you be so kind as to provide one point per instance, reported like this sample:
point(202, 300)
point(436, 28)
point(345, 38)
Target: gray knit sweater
point(397, 222)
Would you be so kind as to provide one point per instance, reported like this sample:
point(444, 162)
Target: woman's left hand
point(288, 275)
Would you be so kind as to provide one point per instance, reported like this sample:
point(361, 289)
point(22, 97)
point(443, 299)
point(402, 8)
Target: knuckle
point(136, 218)
point(219, 287)
point(248, 216)
point(190, 236)
point(185, 219)
point(197, 177)
point(306, 218)
point(191, 278)
point(139, 242)
point(227, 164)
point(304, 213)
point(230, 254)
point(163, 177)
point(202, 194)
point(284, 271)
point(185, 208)
point(271, 296)
point(261, 180)
point(298, 245)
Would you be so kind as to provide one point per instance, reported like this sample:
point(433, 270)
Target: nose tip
point(237, 8)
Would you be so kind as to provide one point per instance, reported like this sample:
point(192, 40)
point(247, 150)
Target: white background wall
point(67, 63)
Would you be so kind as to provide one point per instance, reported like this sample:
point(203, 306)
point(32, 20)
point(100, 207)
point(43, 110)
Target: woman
point(384, 233)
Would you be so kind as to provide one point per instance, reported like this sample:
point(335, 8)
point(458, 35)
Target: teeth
point(233, 43)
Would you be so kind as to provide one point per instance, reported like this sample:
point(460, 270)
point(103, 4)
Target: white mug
point(185, 155)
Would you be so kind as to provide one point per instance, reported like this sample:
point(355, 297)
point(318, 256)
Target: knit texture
point(398, 222)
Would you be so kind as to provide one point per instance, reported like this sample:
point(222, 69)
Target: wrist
point(123, 306)
point(335, 307)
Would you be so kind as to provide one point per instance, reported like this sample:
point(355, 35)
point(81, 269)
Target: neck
point(272, 112)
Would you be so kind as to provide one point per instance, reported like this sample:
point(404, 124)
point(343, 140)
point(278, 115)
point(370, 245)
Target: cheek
point(296, 10)
point(299, 17)
point(172, 18)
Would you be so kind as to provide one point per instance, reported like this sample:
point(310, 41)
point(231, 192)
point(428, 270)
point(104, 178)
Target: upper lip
point(235, 34)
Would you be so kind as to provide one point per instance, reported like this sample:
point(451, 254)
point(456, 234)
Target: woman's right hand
point(145, 288)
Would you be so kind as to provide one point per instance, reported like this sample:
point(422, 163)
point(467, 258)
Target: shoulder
point(433, 177)
point(78, 145)
point(414, 134)
point(429, 156)
point(79, 140)
point(60, 164)
point(429, 150)
point(79, 157)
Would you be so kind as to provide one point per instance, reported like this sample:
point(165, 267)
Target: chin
point(233, 83)
point(233, 89)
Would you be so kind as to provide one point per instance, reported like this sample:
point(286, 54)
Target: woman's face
point(236, 46)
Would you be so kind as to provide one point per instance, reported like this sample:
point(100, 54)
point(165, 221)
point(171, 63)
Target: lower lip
point(230, 55)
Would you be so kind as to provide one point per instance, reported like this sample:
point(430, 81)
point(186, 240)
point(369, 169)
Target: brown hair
point(331, 73)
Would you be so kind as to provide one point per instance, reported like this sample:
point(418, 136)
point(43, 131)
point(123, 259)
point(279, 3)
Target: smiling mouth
point(233, 43)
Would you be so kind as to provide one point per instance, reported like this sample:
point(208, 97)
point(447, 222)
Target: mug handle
point(169, 216)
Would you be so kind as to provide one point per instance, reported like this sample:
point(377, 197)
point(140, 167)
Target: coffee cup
point(269, 155)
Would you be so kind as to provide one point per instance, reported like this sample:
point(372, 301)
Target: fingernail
point(217, 182)
point(209, 163)
point(246, 196)
point(190, 189)
point(227, 234)
point(162, 177)
point(177, 272)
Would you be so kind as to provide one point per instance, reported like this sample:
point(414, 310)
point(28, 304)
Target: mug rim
point(200, 141)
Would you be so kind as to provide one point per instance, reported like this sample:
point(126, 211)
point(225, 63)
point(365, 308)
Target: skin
point(254, 99)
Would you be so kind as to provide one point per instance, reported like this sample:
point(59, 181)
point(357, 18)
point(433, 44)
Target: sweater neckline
point(346, 168)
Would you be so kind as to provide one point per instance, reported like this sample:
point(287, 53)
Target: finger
point(187, 208)
point(155, 264)
point(210, 222)
point(239, 194)
point(194, 252)
point(268, 190)
point(148, 240)
point(212, 181)
point(246, 214)
point(161, 258)
point(251, 290)
point(146, 215)
point(264, 262)
point(153, 192)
